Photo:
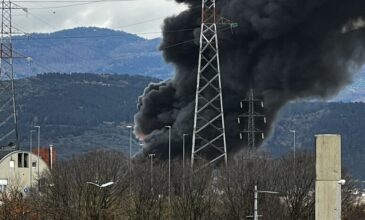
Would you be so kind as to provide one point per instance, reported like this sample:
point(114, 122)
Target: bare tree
point(195, 193)
point(14, 206)
point(65, 193)
point(297, 184)
point(237, 182)
point(149, 191)
point(215, 192)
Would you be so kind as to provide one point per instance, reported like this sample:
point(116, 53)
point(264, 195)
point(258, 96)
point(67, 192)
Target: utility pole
point(183, 156)
point(183, 165)
point(169, 178)
point(294, 149)
point(31, 158)
point(255, 206)
point(250, 105)
point(130, 127)
point(151, 157)
point(209, 138)
point(38, 146)
point(8, 113)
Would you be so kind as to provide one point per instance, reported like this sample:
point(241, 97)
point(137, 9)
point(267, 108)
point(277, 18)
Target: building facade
point(20, 170)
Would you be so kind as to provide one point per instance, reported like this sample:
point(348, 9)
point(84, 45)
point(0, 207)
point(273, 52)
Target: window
point(3, 184)
point(26, 160)
point(34, 164)
point(23, 160)
point(20, 160)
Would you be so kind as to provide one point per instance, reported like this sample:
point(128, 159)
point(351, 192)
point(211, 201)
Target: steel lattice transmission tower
point(254, 108)
point(8, 112)
point(209, 139)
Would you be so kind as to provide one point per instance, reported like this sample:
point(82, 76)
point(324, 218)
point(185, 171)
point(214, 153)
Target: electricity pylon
point(254, 108)
point(209, 138)
point(8, 112)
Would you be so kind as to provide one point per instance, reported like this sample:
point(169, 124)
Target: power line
point(78, 3)
point(103, 36)
point(95, 36)
point(71, 1)
point(66, 53)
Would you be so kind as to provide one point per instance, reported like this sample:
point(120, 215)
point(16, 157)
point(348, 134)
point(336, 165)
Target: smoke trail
point(286, 49)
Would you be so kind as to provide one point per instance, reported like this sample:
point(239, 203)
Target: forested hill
point(311, 118)
point(78, 112)
point(90, 49)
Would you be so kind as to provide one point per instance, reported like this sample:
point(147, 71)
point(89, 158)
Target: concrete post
point(255, 205)
point(328, 175)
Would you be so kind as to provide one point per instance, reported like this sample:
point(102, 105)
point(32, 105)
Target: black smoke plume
point(284, 49)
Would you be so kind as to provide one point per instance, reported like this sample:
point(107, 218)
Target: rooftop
point(6, 150)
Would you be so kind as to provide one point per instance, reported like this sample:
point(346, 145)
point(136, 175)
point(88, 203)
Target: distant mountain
point(100, 50)
point(90, 49)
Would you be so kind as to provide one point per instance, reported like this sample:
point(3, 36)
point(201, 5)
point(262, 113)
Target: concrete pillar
point(328, 175)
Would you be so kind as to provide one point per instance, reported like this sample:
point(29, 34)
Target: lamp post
point(183, 164)
point(130, 127)
point(30, 158)
point(256, 196)
point(151, 156)
point(169, 180)
point(294, 146)
point(38, 146)
point(102, 185)
point(184, 149)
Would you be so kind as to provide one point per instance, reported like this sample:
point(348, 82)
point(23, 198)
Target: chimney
point(47, 154)
point(51, 156)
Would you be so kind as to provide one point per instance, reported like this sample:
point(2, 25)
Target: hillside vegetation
point(311, 118)
point(80, 112)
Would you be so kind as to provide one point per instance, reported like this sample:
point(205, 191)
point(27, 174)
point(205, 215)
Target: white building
point(20, 170)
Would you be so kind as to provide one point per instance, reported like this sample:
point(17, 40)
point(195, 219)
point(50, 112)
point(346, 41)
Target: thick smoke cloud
point(284, 49)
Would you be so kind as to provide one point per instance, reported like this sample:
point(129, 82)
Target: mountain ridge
point(90, 49)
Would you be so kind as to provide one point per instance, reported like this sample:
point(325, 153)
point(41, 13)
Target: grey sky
point(125, 15)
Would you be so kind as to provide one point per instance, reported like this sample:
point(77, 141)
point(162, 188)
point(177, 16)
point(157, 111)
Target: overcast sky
point(142, 17)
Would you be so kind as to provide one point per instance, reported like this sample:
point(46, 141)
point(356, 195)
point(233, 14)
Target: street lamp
point(102, 185)
point(39, 144)
point(294, 146)
point(184, 149)
point(130, 127)
point(184, 164)
point(169, 180)
point(30, 157)
point(151, 156)
point(99, 210)
point(255, 205)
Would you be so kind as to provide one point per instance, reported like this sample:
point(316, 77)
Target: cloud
point(142, 17)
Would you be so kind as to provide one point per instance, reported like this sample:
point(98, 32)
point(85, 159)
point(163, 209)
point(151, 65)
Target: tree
point(237, 182)
point(195, 194)
point(148, 194)
point(65, 193)
point(297, 184)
